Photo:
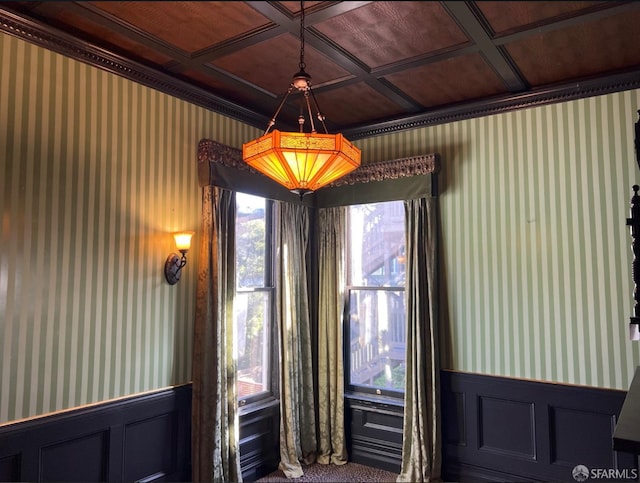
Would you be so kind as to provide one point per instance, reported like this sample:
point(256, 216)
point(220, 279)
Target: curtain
point(215, 444)
point(421, 445)
point(331, 251)
point(298, 443)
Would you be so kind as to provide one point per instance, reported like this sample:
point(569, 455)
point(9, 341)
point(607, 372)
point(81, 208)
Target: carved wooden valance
point(394, 169)
point(210, 151)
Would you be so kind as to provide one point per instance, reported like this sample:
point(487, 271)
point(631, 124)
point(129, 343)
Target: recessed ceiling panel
point(190, 26)
point(579, 51)
point(382, 33)
point(355, 103)
point(509, 17)
point(96, 33)
point(272, 64)
point(449, 81)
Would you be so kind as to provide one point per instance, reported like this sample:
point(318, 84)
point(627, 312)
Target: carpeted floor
point(351, 472)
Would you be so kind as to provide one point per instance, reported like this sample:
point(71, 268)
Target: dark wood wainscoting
point(374, 431)
point(260, 441)
point(142, 438)
point(494, 428)
point(503, 429)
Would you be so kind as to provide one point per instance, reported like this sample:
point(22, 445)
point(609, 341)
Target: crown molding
point(58, 41)
point(497, 105)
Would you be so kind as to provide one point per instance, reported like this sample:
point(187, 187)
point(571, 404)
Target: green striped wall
point(95, 172)
point(536, 267)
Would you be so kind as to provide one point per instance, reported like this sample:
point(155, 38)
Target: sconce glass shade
point(302, 162)
point(183, 240)
point(174, 263)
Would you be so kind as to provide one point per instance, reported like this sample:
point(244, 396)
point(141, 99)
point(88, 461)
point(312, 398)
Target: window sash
point(263, 373)
point(376, 340)
point(374, 348)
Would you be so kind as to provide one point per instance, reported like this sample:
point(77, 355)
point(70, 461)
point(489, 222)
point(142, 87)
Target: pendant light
point(301, 161)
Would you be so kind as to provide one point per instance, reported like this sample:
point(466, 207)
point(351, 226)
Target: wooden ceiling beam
point(471, 23)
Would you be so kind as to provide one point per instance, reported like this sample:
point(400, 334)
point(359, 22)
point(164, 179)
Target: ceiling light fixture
point(301, 161)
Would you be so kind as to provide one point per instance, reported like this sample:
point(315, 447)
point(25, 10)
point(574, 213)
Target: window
point(253, 304)
point(376, 316)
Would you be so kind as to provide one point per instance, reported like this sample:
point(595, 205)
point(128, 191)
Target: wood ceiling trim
point(50, 38)
point(28, 28)
point(422, 60)
point(584, 50)
point(506, 18)
point(110, 22)
point(225, 48)
point(312, 36)
point(510, 102)
point(182, 60)
point(359, 73)
point(598, 12)
point(467, 19)
point(394, 94)
point(333, 51)
point(447, 83)
point(316, 14)
point(77, 23)
point(290, 23)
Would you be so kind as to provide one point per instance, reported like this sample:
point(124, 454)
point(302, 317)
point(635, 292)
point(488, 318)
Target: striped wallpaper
point(536, 262)
point(95, 172)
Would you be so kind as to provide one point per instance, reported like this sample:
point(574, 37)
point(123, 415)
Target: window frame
point(257, 401)
point(351, 387)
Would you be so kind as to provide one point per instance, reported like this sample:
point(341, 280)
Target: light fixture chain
point(302, 64)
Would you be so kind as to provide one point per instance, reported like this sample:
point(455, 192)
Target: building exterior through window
point(376, 332)
point(253, 303)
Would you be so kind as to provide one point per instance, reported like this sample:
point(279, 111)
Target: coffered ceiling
point(375, 66)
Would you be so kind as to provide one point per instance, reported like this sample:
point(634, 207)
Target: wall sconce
point(174, 263)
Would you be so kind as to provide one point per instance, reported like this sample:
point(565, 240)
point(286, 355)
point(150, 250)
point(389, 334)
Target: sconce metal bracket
point(172, 268)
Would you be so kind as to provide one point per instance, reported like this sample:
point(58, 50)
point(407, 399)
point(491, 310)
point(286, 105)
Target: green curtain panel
point(412, 180)
point(331, 228)
point(215, 432)
point(298, 443)
point(421, 444)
